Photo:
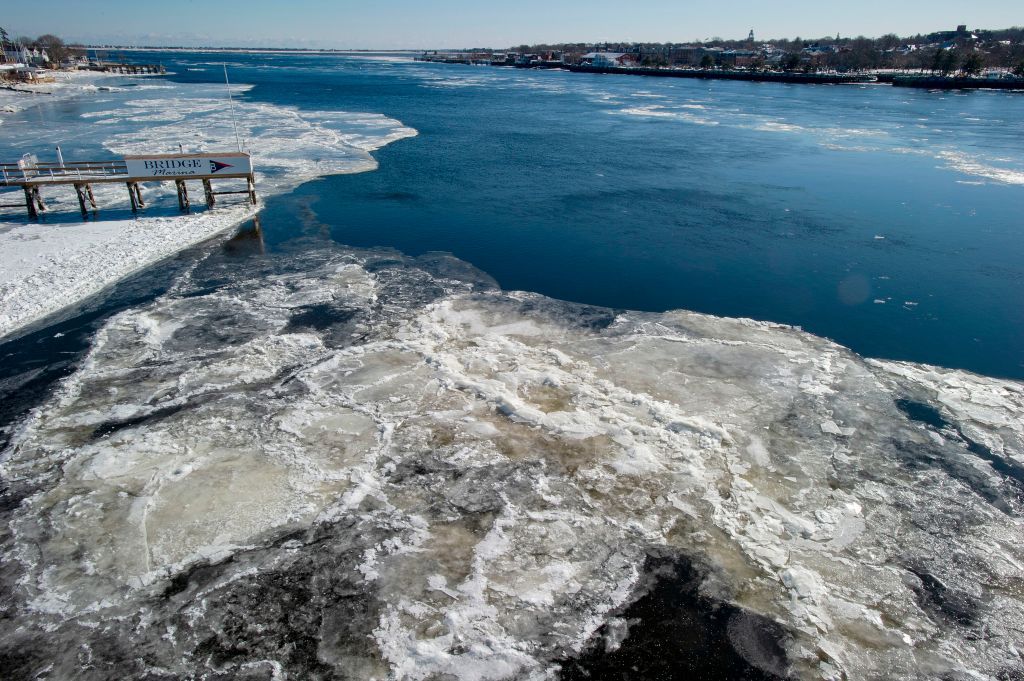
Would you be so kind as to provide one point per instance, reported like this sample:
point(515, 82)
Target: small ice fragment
point(879, 301)
point(830, 427)
point(802, 581)
point(617, 631)
point(482, 428)
point(440, 583)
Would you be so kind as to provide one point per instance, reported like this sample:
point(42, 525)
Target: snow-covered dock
point(31, 175)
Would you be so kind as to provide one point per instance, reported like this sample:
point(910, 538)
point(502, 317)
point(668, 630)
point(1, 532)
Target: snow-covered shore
point(66, 84)
point(46, 267)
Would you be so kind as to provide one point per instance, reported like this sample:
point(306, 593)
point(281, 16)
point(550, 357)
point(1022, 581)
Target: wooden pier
point(131, 69)
point(32, 176)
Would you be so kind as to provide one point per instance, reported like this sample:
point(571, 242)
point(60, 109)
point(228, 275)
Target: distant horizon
point(407, 25)
point(257, 47)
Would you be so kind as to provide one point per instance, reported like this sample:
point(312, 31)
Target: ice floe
point(404, 472)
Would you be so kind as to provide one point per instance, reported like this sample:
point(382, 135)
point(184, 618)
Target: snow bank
point(66, 84)
point(47, 266)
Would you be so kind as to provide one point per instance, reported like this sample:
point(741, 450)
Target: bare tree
point(54, 46)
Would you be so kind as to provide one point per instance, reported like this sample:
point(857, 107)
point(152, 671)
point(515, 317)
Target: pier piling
point(30, 204)
point(80, 192)
point(183, 202)
point(135, 194)
point(34, 201)
point(211, 200)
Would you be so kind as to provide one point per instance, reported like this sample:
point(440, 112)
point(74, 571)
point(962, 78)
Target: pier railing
point(18, 173)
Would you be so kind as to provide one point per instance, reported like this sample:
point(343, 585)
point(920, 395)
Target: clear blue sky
point(412, 24)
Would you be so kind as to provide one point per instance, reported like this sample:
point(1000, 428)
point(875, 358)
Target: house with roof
point(18, 54)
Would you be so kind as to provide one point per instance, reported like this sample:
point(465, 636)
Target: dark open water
point(888, 220)
point(803, 205)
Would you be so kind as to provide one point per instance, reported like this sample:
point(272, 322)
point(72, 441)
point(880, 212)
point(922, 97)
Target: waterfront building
point(610, 59)
point(686, 55)
point(25, 55)
point(742, 58)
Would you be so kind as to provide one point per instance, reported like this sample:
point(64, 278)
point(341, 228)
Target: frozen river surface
point(363, 466)
point(278, 457)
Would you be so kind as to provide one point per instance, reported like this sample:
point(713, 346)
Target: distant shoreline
point(249, 50)
point(931, 82)
point(925, 81)
point(871, 77)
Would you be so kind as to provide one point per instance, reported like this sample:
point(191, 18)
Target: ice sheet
point(444, 479)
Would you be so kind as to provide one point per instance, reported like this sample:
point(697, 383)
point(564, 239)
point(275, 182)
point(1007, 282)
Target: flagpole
point(231, 105)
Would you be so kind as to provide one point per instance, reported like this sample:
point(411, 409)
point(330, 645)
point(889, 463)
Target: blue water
point(886, 219)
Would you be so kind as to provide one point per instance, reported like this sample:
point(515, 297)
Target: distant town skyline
point(408, 24)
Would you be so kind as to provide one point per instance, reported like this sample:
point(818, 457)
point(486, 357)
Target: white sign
point(188, 165)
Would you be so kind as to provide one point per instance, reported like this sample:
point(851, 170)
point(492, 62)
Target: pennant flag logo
point(216, 166)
